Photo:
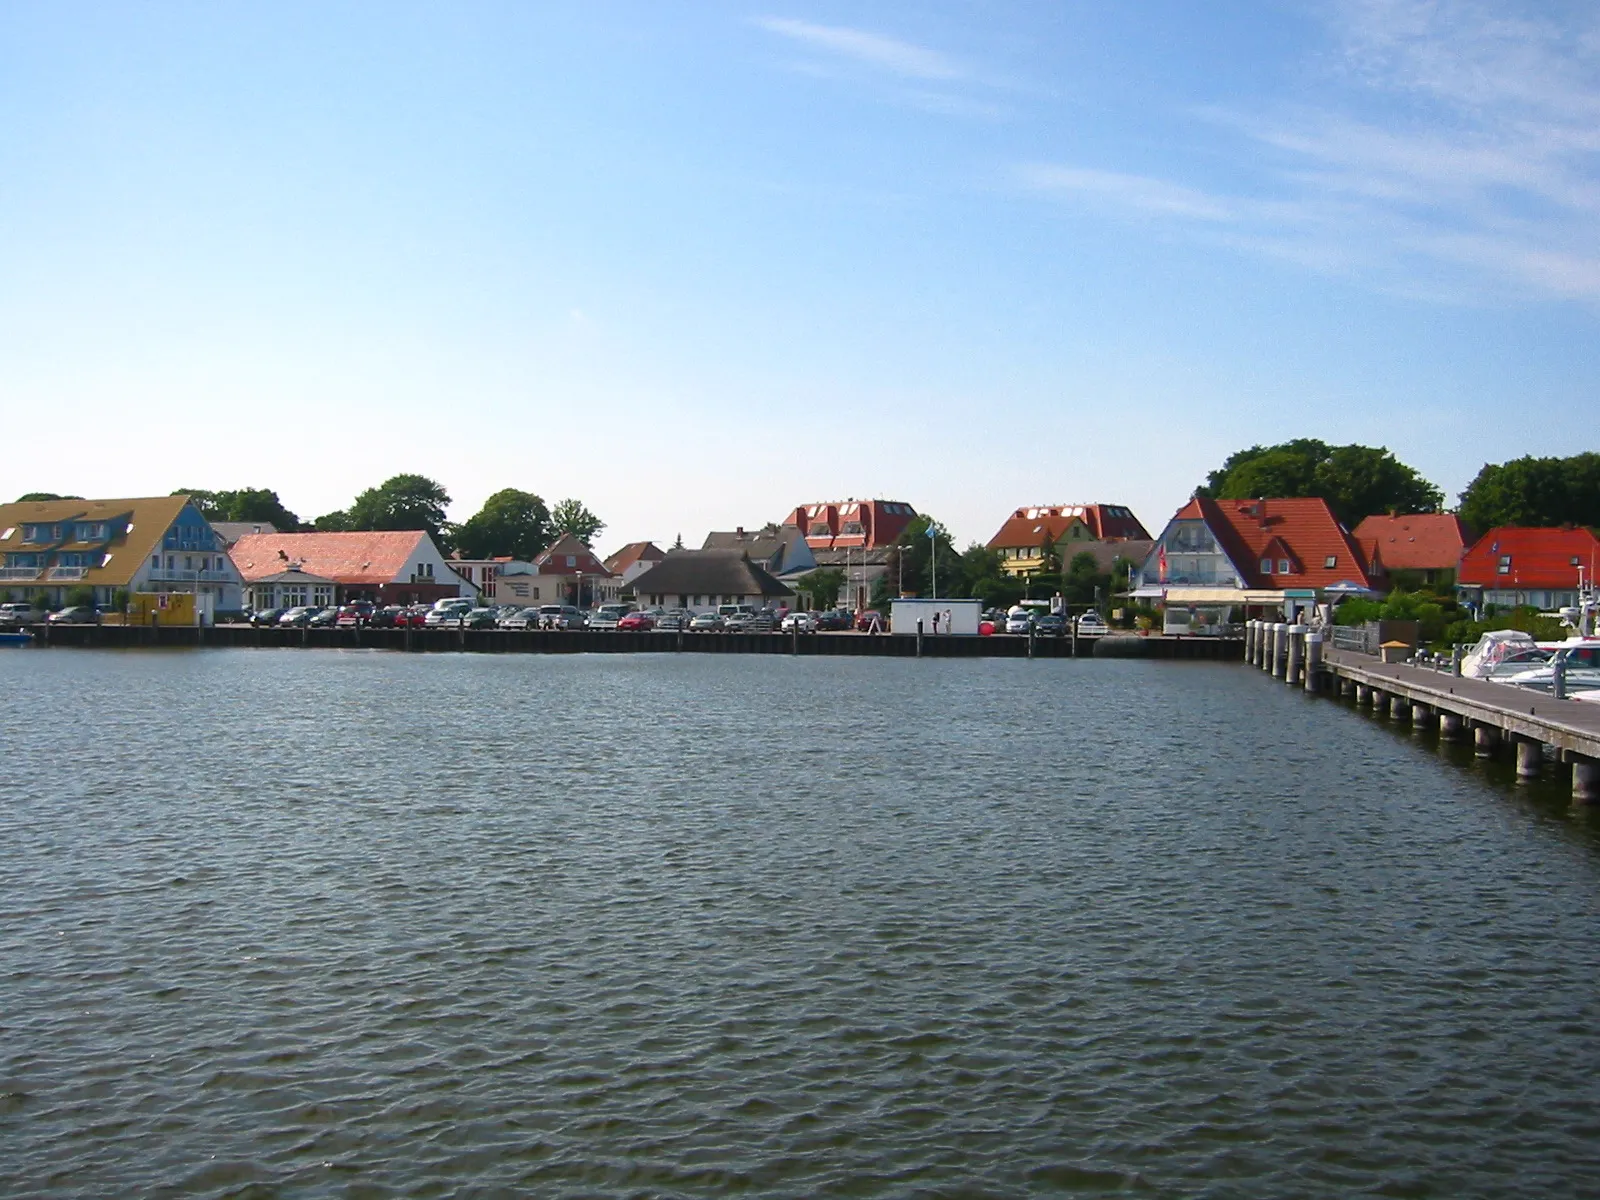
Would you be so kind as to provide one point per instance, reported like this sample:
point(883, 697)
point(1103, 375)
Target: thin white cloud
point(904, 59)
point(1458, 147)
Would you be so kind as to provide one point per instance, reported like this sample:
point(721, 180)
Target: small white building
point(958, 617)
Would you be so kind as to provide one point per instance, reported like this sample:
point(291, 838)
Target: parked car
point(708, 622)
point(415, 616)
point(298, 615)
point(323, 618)
point(267, 616)
point(356, 613)
point(608, 616)
point(834, 620)
point(20, 614)
point(732, 610)
point(738, 622)
point(1049, 625)
point(571, 617)
point(76, 614)
point(479, 618)
point(865, 619)
point(637, 621)
point(799, 622)
point(513, 617)
point(384, 618)
point(1092, 623)
point(674, 619)
point(1019, 622)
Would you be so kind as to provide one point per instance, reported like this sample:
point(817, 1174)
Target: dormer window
point(1505, 565)
point(1283, 566)
point(1331, 561)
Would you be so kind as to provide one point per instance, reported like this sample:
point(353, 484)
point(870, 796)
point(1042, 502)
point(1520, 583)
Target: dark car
point(833, 621)
point(481, 618)
point(323, 619)
point(1049, 625)
point(266, 616)
point(384, 618)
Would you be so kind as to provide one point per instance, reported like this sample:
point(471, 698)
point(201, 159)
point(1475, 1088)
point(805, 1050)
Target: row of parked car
point(463, 614)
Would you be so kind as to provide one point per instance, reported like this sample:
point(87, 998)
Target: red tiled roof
point(1539, 558)
point(825, 524)
point(631, 553)
point(1106, 522)
point(1248, 530)
point(367, 558)
point(553, 561)
point(1416, 542)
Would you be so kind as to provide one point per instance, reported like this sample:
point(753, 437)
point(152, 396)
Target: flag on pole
point(1161, 563)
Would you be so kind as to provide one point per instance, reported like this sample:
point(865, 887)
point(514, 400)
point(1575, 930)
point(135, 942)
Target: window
point(1266, 566)
point(1283, 566)
point(155, 562)
point(1331, 561)
point(1505, 565)
point(572, 560)
point(424, 570)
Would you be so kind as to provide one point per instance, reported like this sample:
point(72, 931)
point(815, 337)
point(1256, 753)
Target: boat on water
point(15, 637)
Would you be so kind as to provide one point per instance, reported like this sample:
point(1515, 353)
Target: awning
point(1221, 595)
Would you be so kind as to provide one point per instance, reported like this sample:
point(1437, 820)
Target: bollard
point(1280, 649)
point(1558, 677)
point(1296, 643)
point(1455, 660)
point(1530, 757)
point(1313, 661)
point(1030, 639)
point(1249, 641)
point(919, 637)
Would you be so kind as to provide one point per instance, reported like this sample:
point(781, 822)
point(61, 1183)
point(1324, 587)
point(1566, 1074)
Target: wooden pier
point(1498, 717)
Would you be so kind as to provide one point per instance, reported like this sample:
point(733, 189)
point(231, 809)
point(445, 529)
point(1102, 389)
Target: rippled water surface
point(364, 924)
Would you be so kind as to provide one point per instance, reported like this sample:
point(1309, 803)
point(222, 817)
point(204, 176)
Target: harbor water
point(306, 923)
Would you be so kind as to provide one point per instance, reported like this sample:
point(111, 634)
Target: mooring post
point(1455, 660)
point(1297, 645)
point(1585, 780)
point(1485, 740)
point(1558, 678)
point(1449, 725)
point(1530, 757)
point(1030, 639)
point(1280, 649)
point(1313, 661)
point(1250, 641)
point(919, 639)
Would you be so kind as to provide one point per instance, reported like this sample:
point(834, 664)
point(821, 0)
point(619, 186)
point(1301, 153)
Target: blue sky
point(696, 264)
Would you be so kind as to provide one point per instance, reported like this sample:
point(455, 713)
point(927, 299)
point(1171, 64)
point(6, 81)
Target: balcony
point(16, 573)
point(175, 575)
point(68, 573)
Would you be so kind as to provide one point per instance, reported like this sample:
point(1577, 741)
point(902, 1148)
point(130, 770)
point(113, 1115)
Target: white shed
point(959, 617)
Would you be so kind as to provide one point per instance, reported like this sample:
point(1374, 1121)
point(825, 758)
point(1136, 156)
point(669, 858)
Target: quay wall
point(584, 641)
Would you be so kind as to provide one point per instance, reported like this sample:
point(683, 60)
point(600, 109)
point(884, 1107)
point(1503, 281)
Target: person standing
point(936, 622)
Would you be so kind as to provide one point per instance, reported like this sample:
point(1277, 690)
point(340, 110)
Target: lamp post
point(933, 559)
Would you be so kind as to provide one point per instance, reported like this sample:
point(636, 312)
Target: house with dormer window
point(156, 544)
point(385, 566)
point(1512, 566)
point(1258, 557)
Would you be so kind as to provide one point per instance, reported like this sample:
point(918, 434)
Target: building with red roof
point(1545, 568)
point(387, 566)
point(1416, 547)
point(1022, 541)
point(565, 572)
point(634, 559)
point(1265, 554)
point(851, 524)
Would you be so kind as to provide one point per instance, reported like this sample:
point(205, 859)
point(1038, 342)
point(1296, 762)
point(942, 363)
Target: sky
point(696, 264)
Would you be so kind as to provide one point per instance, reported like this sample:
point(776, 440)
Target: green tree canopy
point(822, 585)
point(570, 516)
point(26, 497)
point(401, 502)
point(912, 561)
point(1356, 481)
point(338, 521)
point(243, 504)
point(510, 522)
point(1534, 491)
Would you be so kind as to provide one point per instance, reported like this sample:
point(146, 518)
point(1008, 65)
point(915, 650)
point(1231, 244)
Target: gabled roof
point(1415, 542)
point(1305, 526)
point(136, 529)
point(708, 572)
point(1538, 558)
point(367, 558)
point(1105, 522)
point(839, 523)
point(553, 560)
point(231, 531)
point(631, 553)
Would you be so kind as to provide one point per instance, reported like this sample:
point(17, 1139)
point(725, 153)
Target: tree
point(983, 577)
point(916, 562)
point(338, 521)
point(570, 516)
point(822, 585)
point(28, 497)
point(243, 504)
point(1534, 491)
point(401, 502)
point(1356, 481)
point(510, 522)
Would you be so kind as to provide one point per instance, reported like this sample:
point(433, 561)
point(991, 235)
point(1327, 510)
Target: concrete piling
point(1449, 726)
point(1485, 740)
point(1295, 654)
point(1313, 661)
point(1280, 649)
point(1530, 757)
point(1421, 715)
point(1585, 780)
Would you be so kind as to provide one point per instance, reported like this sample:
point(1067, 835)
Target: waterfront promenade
point(585, 641)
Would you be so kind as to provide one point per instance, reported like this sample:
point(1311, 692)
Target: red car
point(637, 620)
point(865, 619)
point(414, 617)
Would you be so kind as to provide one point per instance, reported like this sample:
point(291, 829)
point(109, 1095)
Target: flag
point(1161, 563)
